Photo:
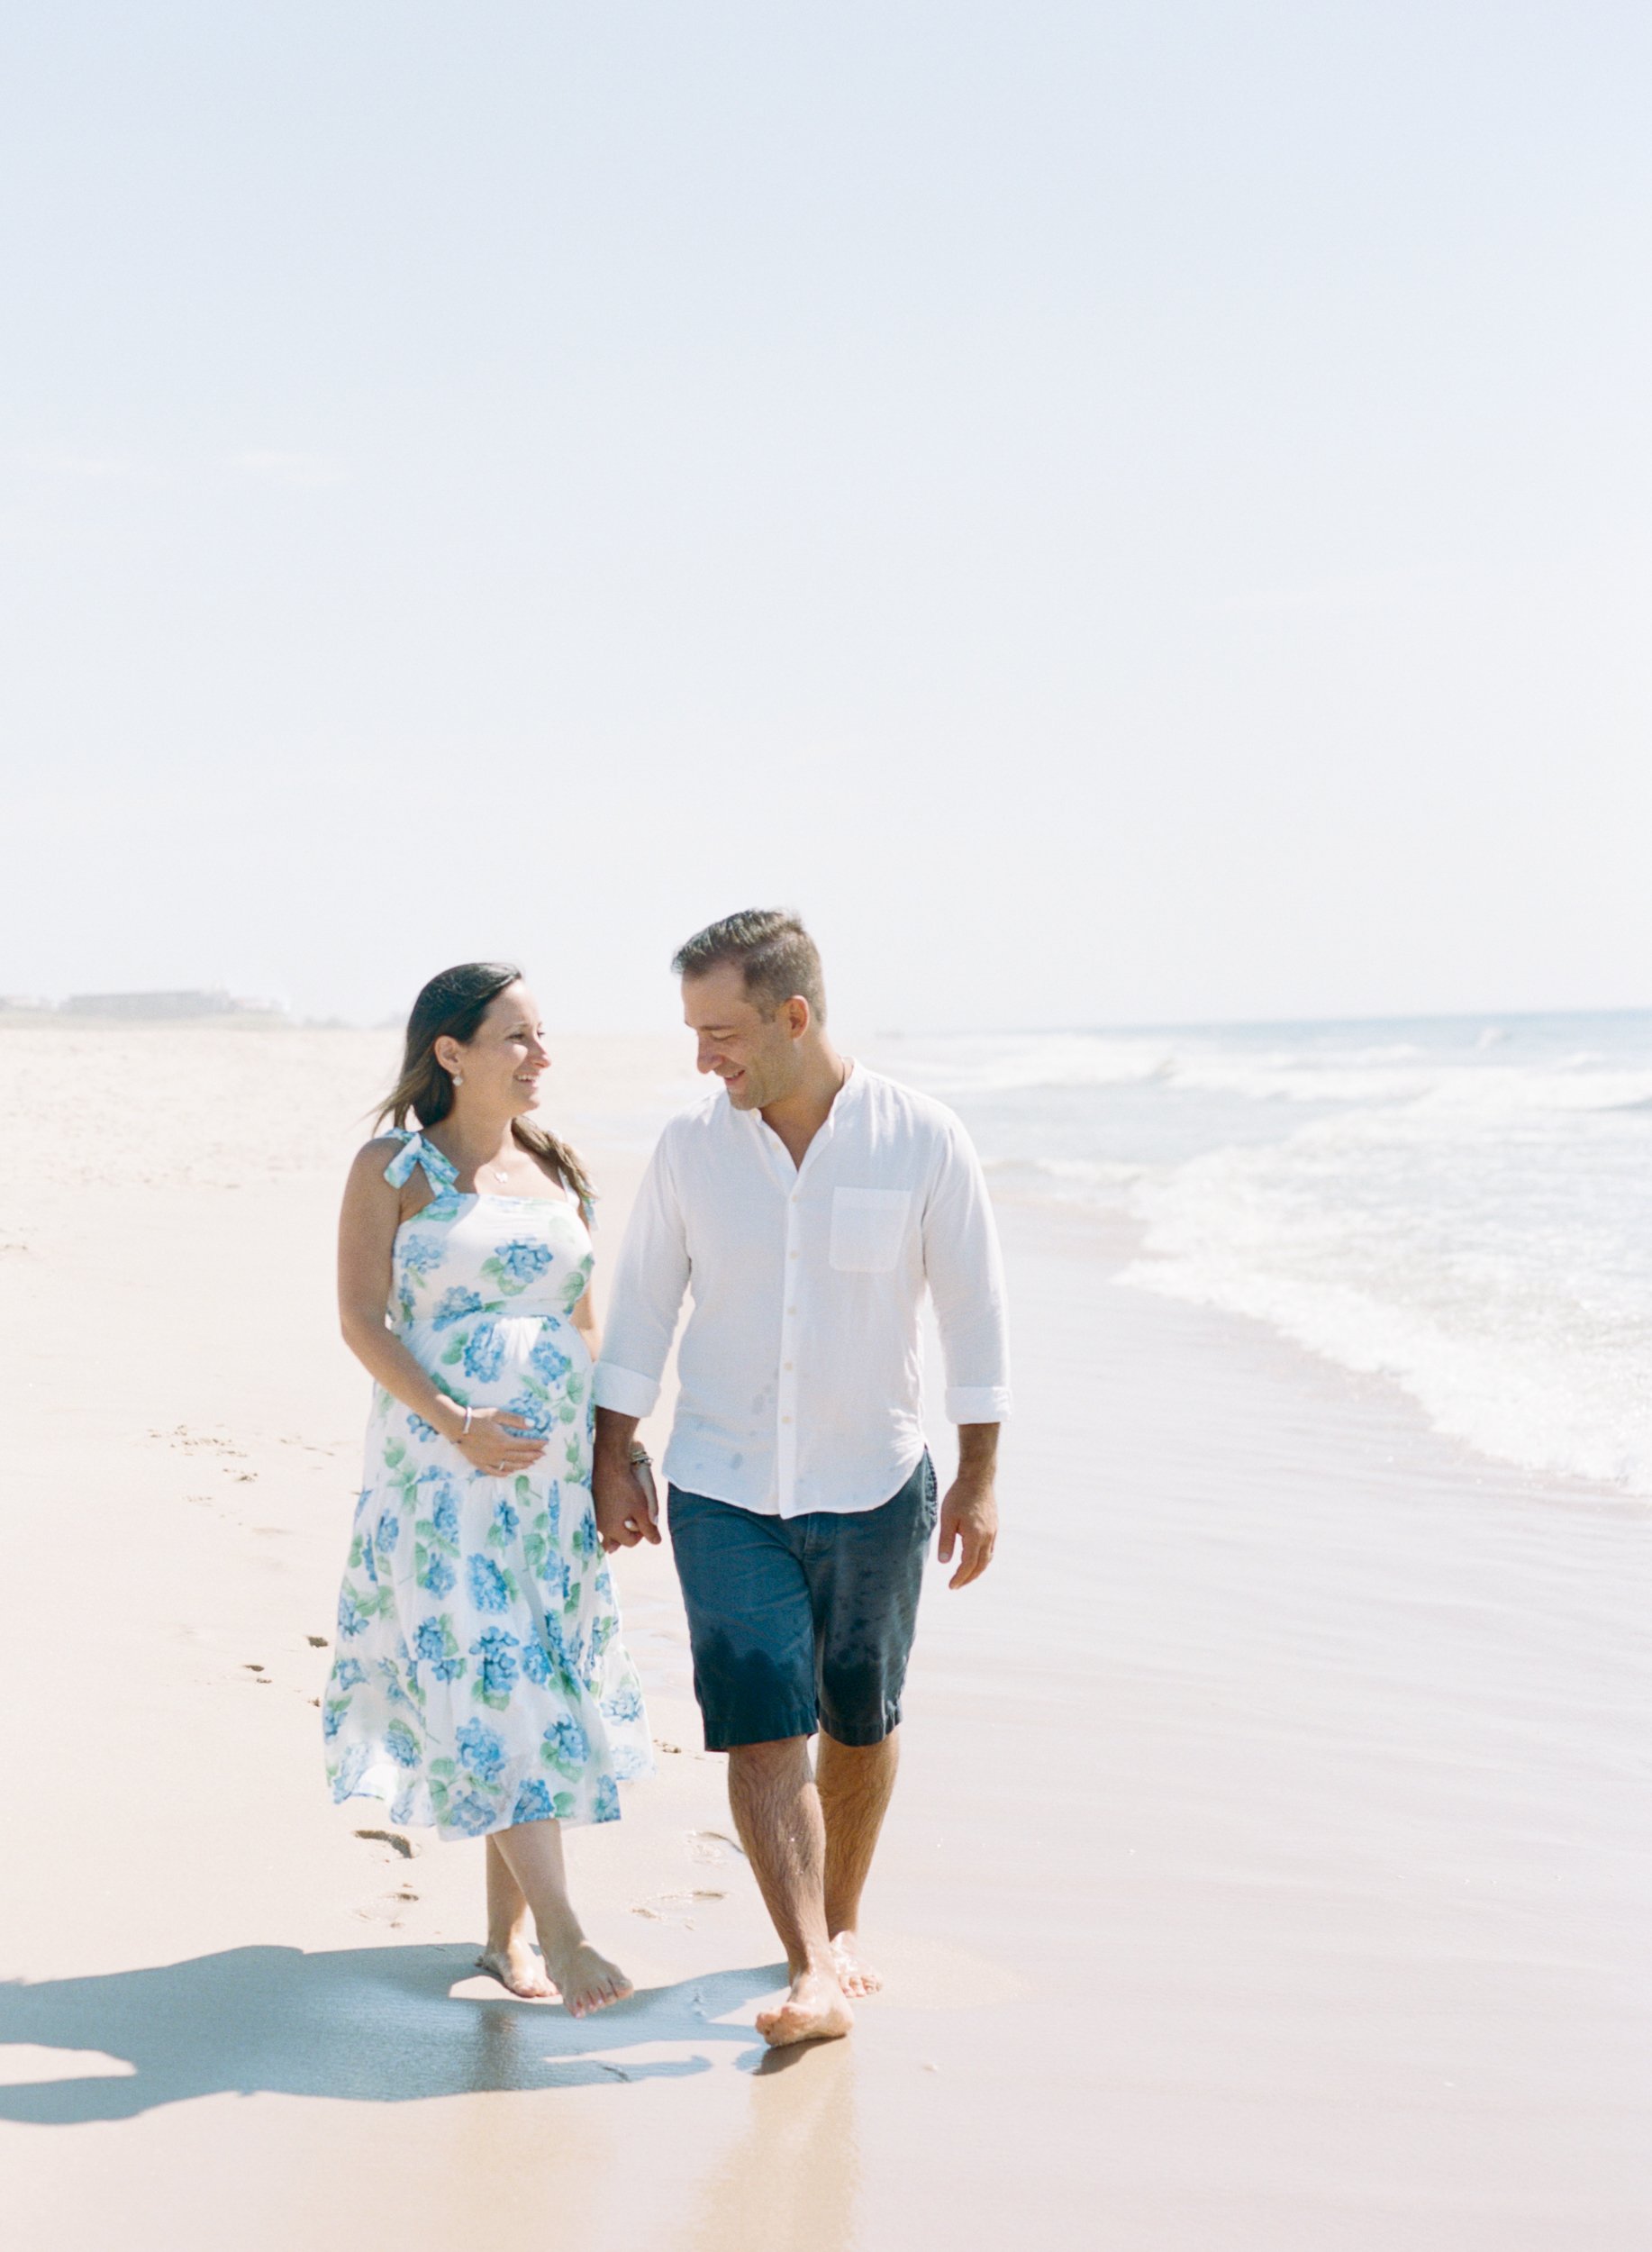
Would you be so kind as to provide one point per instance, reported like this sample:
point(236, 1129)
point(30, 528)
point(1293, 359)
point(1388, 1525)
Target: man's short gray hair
point(776, 956)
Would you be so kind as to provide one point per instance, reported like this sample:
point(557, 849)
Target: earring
point(457, 1078)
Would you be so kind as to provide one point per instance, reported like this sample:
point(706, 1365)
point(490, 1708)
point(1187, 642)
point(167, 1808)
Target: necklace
point(499, 1173)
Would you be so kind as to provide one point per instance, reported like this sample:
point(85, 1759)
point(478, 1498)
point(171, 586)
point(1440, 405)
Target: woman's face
point(501, 1067)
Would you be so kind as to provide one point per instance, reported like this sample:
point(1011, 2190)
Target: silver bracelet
point(465, 1434)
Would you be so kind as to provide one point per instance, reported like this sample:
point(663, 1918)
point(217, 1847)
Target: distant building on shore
point(166, 1004)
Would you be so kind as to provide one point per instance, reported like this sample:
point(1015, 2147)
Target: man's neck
point(799, 1116)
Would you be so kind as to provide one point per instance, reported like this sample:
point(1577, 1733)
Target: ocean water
point(1462, 1205)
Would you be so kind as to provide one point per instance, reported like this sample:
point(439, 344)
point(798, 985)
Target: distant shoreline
point(227, 1020)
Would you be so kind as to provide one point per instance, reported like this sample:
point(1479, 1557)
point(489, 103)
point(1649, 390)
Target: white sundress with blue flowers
point(480, 1679)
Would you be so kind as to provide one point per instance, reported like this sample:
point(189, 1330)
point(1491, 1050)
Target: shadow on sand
point(373, 2025)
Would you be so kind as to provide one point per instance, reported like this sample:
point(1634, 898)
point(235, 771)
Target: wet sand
point(1267, 1873)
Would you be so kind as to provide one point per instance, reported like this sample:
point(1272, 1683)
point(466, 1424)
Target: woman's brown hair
point(452, 1006)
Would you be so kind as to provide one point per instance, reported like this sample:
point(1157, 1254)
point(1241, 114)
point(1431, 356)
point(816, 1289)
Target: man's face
point(758, 1058)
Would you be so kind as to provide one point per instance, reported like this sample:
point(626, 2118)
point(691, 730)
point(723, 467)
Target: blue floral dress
point(480, 1679)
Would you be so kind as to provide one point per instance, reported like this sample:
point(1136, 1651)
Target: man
point(805, 1208)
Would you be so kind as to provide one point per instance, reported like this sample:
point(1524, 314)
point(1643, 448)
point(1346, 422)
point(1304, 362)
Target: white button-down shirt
point(800, 1368)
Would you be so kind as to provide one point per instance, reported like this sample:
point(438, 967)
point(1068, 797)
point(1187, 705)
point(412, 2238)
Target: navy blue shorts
point(800, 1623)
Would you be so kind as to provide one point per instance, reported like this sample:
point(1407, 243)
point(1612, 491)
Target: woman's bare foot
point(587, 1980)
point(814, 2011)
point(855, 1975)
point(518, 1968)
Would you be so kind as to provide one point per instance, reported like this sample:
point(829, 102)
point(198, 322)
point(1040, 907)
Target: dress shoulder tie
point(440, 1172)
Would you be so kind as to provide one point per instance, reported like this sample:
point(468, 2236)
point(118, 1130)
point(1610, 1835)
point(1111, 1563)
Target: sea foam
point(1464, 1208)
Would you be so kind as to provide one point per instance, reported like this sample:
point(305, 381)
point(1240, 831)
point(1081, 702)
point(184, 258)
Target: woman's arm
point(583, 1319)
point(367, 1222)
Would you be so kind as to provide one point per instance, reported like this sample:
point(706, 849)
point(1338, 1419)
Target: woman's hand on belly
point(499, 1443)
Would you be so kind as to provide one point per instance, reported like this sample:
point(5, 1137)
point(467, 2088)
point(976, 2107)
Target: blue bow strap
point(440, 1172)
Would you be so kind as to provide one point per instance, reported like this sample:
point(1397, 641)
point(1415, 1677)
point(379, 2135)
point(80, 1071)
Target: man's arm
point(970, 1511)
point(965, 1277)
point(650, 1279)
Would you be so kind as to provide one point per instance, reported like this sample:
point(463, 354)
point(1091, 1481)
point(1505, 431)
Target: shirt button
point(792, 1310)
point(792, 1254)
point(788, 1363)
point(785, 1419)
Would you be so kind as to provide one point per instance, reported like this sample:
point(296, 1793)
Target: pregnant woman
point(480, 1683)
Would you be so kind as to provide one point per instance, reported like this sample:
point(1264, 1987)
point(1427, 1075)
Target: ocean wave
point(1568, 1084)
point(1083, 1171)
point(1064, 1180)
point(1464, 1208)
point(1562, 1087)
point(1510, 1293)
point(1028, 1062)
point(1533, 1402)
point(1380, 1075)
point(1291, 1079)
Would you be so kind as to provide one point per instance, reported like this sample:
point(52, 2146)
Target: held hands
point(968, 1515)
point(624, 1511)
point(492, 1443)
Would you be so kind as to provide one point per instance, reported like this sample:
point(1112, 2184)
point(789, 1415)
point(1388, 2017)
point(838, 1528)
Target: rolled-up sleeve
point(649, 1278)
point(965, 1271)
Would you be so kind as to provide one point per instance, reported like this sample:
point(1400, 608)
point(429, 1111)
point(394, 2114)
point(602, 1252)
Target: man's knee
point(877, 1747)
point(777, 1757)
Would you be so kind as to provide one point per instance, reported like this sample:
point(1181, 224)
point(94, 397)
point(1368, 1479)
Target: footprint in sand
point(391, 1837)
point(712, 1845)
point(671, 1905)
point(191, 1442)
point(389, 1907)
point(387, 1910)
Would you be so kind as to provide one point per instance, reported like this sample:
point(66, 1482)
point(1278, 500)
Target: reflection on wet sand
point(792, 2175)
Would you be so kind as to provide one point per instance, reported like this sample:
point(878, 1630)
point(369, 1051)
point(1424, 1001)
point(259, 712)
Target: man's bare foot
point(855, 1975)
point(588, 1981)
point(814, 2011)
point(518, 1968)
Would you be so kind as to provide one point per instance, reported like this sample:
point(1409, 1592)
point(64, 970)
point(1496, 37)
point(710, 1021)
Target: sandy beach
point(1267, 1872)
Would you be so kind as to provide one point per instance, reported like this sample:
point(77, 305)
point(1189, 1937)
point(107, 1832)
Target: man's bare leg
point(510, 1954)
point(854, 1782)
point(586, 1981)
point(776, 1811)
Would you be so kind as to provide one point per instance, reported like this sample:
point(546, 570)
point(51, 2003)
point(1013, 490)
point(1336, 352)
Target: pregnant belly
point(497, 1359)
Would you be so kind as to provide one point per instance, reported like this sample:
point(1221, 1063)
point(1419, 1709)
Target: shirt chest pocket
point(868, 1226)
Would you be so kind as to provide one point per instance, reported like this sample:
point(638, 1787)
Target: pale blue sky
point(1118, 512)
